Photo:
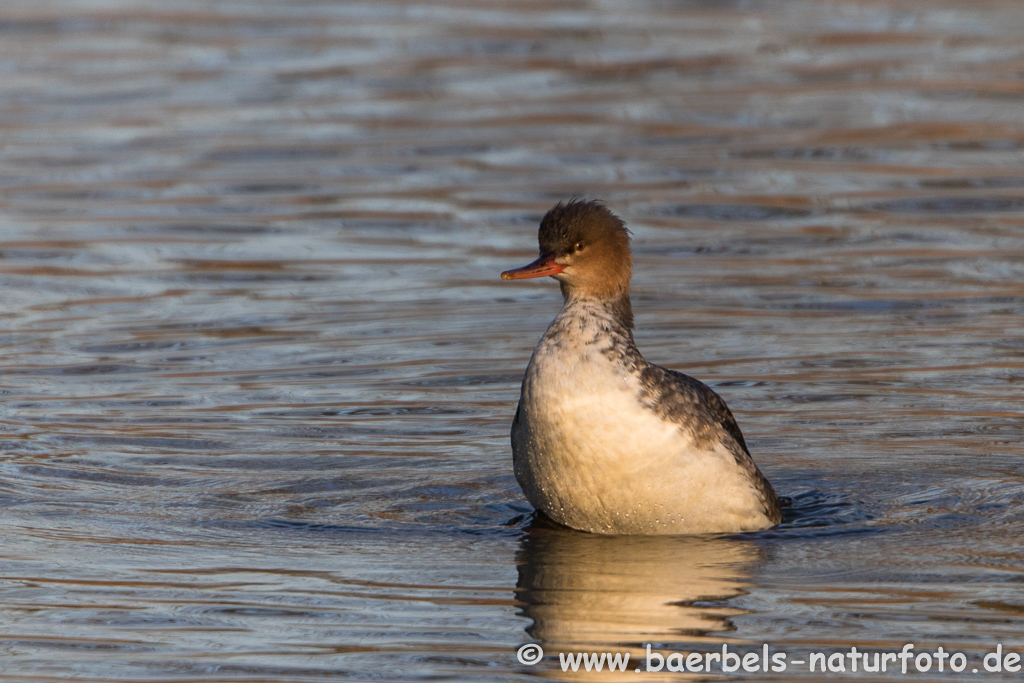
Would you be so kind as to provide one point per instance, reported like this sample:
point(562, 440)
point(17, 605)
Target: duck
point(604, 441)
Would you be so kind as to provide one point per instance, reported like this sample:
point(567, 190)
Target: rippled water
point(258, 367)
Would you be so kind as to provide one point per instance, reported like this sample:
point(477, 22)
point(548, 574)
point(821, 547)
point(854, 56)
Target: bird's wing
point(704, 415)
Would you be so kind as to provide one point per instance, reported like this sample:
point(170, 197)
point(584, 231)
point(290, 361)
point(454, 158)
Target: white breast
point(592, 457)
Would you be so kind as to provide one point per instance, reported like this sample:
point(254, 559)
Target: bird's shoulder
point(689, 402)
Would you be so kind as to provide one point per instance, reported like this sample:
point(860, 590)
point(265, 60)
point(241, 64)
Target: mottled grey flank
point(679, 398)
point(699, 410)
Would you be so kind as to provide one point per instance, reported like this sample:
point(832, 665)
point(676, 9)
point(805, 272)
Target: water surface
point(258, 368)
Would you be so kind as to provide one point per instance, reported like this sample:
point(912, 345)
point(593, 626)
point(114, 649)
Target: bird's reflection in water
point(591, 593)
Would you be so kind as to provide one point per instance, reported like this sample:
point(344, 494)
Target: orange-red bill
point(545, 265)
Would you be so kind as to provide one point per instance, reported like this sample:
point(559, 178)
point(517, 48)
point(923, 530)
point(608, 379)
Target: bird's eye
point(578, 246)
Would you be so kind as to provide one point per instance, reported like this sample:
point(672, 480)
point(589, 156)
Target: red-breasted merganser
point(604, 441)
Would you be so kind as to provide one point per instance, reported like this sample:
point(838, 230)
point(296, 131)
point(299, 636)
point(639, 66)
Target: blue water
point(258, 368)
